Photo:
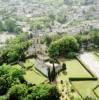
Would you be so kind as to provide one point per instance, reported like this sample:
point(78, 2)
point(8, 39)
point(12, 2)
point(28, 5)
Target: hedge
point(83, 79)
point(95, 92)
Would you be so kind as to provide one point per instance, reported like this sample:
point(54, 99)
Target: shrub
point(17, 92)
point(64, 66)
point(3, 97)
point(3, 86)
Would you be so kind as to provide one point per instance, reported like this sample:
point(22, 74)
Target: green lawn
point(17, 66)
point(29, 62)
point(34, 77)
point(75, 69)
point(85, 87)
point(97, 91)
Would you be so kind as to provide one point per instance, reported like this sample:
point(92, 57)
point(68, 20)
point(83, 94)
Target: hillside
point(67, 15)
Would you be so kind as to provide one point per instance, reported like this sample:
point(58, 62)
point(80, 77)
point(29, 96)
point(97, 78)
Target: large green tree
point(17, 92)
point(9, 76)
point(44, 92)
point(15, 48)
point(63, 46)
point(11, 26)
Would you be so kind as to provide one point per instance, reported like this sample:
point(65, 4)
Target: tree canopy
point(63, 46)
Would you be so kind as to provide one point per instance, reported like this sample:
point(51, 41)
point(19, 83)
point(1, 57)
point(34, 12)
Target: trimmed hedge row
point(83, 79)
point(95, 92)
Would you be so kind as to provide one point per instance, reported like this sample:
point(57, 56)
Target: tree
point(3, 86)
point(79, 39)
point(89, 97)
point(15, 48)
point(47, 40)
point(9, 76)
point(63, 47)
point(10, 25)
point(44, 92)
point(53, 73)
point(1, 26)
point(95, 37)
point(17, 92)
point(49, 74)
point(64, 67)
point(3, 97)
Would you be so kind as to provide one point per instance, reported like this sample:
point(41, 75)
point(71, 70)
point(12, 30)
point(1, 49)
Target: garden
point(72, 79)
point(80, 78)
point(32, 75)
point(96, 91)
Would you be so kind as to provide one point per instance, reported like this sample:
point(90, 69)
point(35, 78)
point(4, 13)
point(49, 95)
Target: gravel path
point(91, 62)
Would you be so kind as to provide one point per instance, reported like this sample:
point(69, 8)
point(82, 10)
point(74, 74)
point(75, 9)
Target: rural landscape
point(49, 49)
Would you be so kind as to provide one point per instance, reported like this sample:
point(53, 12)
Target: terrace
point(81, 79)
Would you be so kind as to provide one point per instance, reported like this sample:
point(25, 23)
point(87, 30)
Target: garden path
point(91, 62)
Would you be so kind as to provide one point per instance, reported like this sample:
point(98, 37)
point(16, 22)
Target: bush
point(3, 86)
point(17, 92)
point(44, 92)
point(15, 48)
point(3, 98)
point(71, 55)
point(8, 77)
point(64, 66)
point(89, 98)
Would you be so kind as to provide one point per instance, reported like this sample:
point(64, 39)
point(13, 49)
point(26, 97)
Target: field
point(85, 87)
point(29, 63)
point(97, 91)
point(34, 77)
point(76, 70)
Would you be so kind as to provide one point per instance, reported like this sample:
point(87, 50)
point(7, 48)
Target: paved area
point(91, 62)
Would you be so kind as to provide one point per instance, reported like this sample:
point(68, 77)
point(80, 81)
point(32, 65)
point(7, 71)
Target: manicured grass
point(75, 69)
point(17, 66)
point(97, 91)
point(34, 77)
point(29, 62)
point(85, 87)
